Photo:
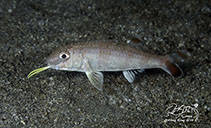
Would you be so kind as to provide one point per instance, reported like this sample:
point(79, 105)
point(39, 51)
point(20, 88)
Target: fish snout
point(52, 61)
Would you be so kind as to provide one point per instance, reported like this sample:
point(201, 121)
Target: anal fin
point(131, 74)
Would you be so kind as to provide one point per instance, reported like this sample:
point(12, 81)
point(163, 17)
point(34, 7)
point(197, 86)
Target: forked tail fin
point(172, 63)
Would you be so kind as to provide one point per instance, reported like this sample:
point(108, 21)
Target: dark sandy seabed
point(31, 29)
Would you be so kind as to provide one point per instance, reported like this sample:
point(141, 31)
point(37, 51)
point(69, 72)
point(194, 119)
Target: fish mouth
point(37, 71)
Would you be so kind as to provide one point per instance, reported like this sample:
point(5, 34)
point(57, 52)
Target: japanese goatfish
point(93, 58)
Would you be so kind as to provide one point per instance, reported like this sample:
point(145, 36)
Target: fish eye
point(64, 56)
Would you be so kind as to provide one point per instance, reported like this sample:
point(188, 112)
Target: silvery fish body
point(95, 57)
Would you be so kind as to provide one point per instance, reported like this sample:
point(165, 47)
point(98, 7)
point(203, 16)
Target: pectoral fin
point(96, 78)
point(131, 74)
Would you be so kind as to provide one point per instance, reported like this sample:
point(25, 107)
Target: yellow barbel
point(37, 71)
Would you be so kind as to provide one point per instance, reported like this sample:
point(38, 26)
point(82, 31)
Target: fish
point(95, 57)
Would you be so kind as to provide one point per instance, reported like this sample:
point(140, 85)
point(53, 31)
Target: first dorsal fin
point(133, 39)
